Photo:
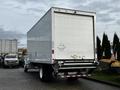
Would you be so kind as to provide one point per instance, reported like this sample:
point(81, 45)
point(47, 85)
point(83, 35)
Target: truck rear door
point(73, 36)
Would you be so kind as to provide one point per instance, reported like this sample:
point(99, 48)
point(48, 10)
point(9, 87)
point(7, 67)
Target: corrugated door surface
point(73, 36)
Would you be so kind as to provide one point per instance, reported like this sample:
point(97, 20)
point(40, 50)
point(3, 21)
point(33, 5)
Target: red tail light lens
point(52, 51)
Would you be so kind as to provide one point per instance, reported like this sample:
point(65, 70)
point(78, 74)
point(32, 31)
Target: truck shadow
point(59, 83)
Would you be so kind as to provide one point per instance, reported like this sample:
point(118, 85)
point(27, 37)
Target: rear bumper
point(72, 69)
point(79, 68)
point(74, 76)
point(76, 65)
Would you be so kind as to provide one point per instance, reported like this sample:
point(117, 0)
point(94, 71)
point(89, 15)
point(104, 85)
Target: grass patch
point(106, 76)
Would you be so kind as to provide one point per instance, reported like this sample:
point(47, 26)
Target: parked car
point(11, 60)
point(1, 61)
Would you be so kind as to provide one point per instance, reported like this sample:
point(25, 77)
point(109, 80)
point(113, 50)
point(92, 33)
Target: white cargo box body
point(69, 33)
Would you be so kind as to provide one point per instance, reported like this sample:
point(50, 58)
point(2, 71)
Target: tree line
point(105, 49)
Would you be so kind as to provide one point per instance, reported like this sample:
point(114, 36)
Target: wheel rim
point(41, 73)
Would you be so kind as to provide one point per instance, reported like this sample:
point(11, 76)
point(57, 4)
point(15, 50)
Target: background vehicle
point(62, 43)
point(8, 46)
point(11, 60)
point(1, 61)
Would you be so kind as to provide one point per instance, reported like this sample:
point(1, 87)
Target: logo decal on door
point(61, 47)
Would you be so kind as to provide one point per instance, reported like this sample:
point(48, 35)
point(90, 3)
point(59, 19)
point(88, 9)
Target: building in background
point(8, 46)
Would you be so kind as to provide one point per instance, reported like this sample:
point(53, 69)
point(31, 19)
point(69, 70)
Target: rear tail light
point(53, 56)
point(52, 51)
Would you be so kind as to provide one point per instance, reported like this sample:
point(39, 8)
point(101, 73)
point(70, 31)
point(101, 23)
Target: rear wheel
point(45, 73)
point(4, 66)
point(41, 73)
point(25, 69)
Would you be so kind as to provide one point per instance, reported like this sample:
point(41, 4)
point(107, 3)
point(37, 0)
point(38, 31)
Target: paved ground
point(16, 79)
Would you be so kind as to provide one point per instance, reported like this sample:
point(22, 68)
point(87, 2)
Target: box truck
point(62, 43)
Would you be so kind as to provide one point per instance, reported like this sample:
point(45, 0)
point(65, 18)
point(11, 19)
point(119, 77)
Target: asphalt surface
point(16, 79)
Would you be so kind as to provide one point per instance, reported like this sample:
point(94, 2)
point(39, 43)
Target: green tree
point(99, 48)
point(103, 44)
point(118, 52)
point(105, 38)
point(115, 43)
point(106, 48)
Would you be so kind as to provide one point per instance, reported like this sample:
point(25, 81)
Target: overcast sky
point(18, 16)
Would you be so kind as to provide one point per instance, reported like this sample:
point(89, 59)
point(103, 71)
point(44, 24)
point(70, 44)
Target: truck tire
point(41, 74)
point(4, 66)
point(45, 73)
point(25, 69)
